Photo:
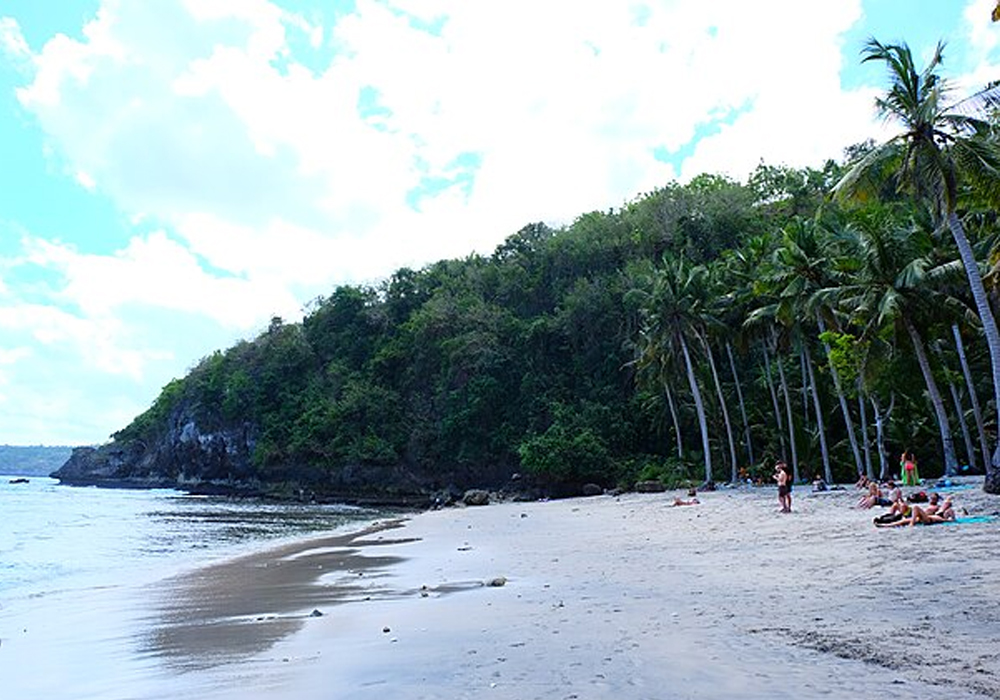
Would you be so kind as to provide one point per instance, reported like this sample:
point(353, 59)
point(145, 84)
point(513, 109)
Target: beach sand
point(605, 597)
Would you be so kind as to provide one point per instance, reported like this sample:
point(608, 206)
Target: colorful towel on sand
point(951, 487)
point(971, 519)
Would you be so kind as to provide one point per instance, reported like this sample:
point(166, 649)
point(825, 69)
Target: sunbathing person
point(931, 515)
point(894, 494)
point(679, 502)
point(900, 509)
point(692, 501)
point(873, 496)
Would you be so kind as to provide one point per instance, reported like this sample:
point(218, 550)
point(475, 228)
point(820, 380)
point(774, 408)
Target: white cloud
point(185, 116)
point(266, 185)
point(12, 40)
point(156, 271)
point(12, 355)
point(981, 44)
point(98, 342)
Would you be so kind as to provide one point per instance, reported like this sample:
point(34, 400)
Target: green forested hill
point(829, 318)
point(563, 358)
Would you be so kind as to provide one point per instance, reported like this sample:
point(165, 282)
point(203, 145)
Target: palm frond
point(864, 179)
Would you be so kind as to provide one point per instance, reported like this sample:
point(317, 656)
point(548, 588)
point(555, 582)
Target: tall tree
point(971, 388)
point(935, 149)
point(672, 317)
point(891, 286)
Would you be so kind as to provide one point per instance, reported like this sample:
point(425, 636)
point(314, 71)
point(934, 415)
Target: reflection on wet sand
point(243, 606)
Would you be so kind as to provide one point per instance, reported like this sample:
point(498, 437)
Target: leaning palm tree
point(937, 147)
point(892, 288)
point(672, 317)
point(803, 263)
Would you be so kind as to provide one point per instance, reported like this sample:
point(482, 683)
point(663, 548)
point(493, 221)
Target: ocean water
point(77, 566)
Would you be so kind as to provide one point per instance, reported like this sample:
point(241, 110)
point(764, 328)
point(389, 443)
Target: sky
point(174, 173)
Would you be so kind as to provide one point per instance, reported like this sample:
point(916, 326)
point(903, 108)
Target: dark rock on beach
point(651, 486)
point(476, 497)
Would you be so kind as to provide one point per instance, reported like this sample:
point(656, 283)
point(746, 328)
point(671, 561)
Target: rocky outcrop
point(199, 458)
point(184, 455)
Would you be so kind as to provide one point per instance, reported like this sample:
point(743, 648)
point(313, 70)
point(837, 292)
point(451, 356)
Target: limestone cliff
point(190, 456)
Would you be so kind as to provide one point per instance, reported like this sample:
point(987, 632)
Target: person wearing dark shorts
point(783, 476)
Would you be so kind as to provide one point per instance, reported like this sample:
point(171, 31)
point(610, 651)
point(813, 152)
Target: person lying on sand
point(931, 515)
point(692, 501)
point(678, 501)
point(899, 510)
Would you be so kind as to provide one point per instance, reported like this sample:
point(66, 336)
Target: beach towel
point(971, 519)
point(952, 487)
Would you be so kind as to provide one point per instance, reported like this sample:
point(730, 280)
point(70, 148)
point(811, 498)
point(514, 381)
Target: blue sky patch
point(459, 173)
point(676, 157)
point(371, 109)
point(883, 21)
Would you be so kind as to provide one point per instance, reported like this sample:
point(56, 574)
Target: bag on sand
point(886, 518)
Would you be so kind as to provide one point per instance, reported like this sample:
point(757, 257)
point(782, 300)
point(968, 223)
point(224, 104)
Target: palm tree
point(971, 388)
point(937, 147)
point(891, 287)
point(802, 265)
point(672, 316)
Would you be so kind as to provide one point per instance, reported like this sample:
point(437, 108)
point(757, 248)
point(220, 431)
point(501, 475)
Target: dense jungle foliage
point(697, 333)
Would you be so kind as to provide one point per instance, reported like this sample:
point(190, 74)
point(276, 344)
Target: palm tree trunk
point(673, 416)
point(791, 423)
point(863, 413)
point(774, 402)
point(743, 408)
point(699, 407)
point(992, 482)
point(844, 409)
point(883, 463)
point(973, 398)
point(724, 407)
point(970, 451)
point(805, 388)
point(820, 427)
point(947, 443)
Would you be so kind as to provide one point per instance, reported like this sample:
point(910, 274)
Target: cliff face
point(184, 455)
point(192, 457)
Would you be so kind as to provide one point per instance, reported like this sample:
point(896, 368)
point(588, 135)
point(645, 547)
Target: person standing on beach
point(784, 478)
point(908, 469)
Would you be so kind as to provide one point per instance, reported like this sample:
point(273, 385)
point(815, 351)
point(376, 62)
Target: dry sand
point(605, 597)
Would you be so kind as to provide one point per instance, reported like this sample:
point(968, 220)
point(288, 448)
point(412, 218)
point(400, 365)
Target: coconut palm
point(672, 318)
point(802, 264)
point(893, 288)
point(939, 146)
point(970, 386)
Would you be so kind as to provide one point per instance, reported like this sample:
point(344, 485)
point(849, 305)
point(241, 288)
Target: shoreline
point(608, 596)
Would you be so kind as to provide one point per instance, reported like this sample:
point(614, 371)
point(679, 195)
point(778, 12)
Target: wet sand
point(605, 597)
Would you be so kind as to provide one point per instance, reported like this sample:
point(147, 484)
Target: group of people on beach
point(901, 512)
point(904, 510)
